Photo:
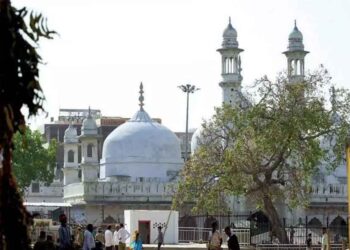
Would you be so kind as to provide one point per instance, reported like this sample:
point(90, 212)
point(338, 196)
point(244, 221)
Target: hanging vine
point(19, 87)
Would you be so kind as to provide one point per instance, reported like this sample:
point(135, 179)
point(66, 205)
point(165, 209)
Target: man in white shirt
point(122, 236)
point(109, 238)
point(115, 237)
point(324, 240)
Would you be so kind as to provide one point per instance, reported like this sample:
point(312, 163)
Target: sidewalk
point(193, 246)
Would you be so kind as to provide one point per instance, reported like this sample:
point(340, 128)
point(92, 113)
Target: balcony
point(329, 193)
point(118, 191)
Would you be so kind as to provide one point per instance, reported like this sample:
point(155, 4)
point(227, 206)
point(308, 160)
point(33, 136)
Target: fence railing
point(245, 237)
point(296, 247)
point(193, 234)
point(201, 235)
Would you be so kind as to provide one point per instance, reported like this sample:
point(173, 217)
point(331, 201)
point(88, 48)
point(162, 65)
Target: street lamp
point(188, 88)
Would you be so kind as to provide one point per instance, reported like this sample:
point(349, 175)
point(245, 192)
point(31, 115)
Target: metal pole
point(186, 138)
point(188, 89)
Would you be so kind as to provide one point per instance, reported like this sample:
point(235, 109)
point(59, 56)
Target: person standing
point(122, 236)
point(40, 244)
point(136, 243)
point(115, 237)
point(232, 241)
point(215, 239)
point(160, 237)
point(79, 237)
point(109, 238)
point(64, 234)
point(99, 239)
point(89, 241)
point(292, 232)
point(49, 242)
point(309, 242)
point(324, 240)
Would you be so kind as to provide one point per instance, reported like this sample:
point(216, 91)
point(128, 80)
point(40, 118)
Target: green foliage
point(32, 160)
point(19, 87)
point(270, 150)
point(19, 73)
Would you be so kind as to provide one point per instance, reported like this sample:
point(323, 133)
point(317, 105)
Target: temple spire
point(141, 98)
point(229, 20)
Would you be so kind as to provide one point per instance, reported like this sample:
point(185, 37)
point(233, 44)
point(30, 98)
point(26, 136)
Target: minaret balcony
point(235, 77)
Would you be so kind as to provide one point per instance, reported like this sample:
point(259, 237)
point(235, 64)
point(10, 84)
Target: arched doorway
point(338, 228)
point(259, 223)
point(314, 222)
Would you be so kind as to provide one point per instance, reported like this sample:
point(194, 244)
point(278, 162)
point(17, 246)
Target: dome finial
point(295, 23)
point(141, 98)
point(229, 20)
point(89, 114)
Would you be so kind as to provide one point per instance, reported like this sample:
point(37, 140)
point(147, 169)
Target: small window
point(35, 187)
point(70, 156)
point(89, 150)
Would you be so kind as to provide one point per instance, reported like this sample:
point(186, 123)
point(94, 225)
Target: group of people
point(215, 239)
point(114, 240)
point(117, 240)
point(88, 240)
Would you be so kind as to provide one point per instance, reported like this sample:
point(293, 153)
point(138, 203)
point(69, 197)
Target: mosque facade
point(140, 161)
point(141, 158)
point(328, 202)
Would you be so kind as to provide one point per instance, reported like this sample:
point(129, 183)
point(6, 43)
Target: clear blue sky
point(107, 47)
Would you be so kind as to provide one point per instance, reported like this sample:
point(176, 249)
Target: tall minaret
point(295, 56)
point(231, 67)
point(70, 165)
point(89, 149)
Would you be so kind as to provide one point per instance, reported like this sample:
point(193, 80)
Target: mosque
point(141, 158)
point(328, 202)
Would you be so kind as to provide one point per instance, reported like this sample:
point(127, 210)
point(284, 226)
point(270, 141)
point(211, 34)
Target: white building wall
point(168, 219)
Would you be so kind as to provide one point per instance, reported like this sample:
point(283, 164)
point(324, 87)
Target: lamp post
point(188, 89)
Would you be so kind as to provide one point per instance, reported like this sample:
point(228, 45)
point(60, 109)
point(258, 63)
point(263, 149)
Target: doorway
point(145, 231)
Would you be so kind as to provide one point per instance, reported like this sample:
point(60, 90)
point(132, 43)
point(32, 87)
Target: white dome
point(141, 148)
point(230, 37)
point(89, 126)
point(296, 34)
point(230, 32)
point(70, 135)
point(295, 40)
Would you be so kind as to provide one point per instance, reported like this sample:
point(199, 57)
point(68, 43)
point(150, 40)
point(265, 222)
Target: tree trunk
point(276, 226)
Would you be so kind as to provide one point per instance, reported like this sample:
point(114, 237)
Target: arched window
point(70, 156)
point(293, 65)
point(298, 68)
point(89, 150)
point(227, 65)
